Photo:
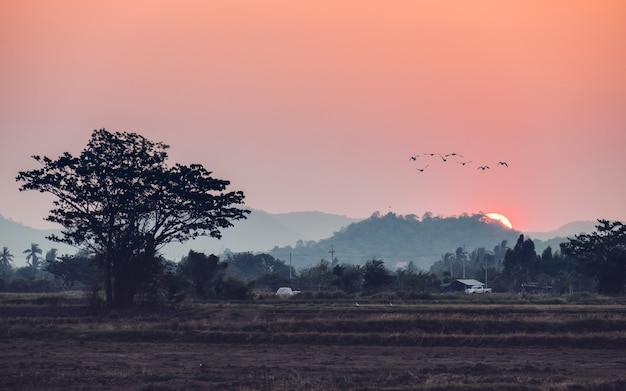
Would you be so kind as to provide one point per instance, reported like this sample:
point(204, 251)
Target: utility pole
point(289, 266)
point(332, 254)
point(463, 260)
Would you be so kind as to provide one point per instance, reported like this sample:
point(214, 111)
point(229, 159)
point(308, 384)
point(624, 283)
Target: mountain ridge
point(566, 230)
point(261, 232)
point(18, 237)
point(400, 239)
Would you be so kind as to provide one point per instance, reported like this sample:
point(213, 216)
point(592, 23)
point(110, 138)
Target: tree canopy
point(202, 271)
point(375, 276)
point(122, 201)
point(602, 254)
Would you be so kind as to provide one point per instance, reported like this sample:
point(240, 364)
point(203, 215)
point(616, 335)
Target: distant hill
point(310, 236)
point(568, 230)
point(260, 232)
point(553, 239)
point(18, 237)
point(395, 238)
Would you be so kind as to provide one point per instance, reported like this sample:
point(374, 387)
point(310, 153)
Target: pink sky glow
point(318, 105)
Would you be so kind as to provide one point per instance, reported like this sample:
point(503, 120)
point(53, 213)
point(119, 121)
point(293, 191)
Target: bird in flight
point(456, 158)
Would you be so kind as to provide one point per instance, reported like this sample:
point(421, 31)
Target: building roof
point(469, 282)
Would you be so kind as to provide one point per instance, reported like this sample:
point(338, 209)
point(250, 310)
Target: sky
point(319, 105)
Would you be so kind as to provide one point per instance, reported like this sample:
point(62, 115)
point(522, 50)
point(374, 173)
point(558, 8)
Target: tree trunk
point(108, 265)
point(123, 286)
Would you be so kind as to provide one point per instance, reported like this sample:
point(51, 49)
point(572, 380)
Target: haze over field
point(318, 106)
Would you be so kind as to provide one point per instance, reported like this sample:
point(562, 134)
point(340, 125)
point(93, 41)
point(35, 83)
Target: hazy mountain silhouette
point(262, 231)
point(310, 236)
point(568, 230)
point(553, 239)
point(258, 233)
point(394, 238)
point(18, 237)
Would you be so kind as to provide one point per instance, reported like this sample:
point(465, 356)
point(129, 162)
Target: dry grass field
point(448, 342)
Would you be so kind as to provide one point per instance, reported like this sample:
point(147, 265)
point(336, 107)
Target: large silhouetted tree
point(602, 255)
point(120, 200)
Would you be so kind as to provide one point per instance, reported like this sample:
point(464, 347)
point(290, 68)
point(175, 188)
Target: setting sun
point(503, 220)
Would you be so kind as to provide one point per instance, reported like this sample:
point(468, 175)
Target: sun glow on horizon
point(500, 218)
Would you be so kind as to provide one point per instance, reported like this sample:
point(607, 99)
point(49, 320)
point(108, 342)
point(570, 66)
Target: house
point(459, 285)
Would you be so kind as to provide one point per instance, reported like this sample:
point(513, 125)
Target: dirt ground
point(27, 364)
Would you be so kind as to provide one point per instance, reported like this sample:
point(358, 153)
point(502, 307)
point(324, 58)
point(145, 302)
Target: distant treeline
point(589, 262)
point(122, 204)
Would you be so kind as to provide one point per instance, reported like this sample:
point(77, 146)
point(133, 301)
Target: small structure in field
point(461, 284)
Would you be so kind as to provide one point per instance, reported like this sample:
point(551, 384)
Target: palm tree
point(32, 259)
point(6, 258)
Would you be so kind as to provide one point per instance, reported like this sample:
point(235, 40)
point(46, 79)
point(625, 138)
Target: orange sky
point(318, 105)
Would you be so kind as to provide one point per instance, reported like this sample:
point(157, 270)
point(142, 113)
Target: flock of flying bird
point(452, 157)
